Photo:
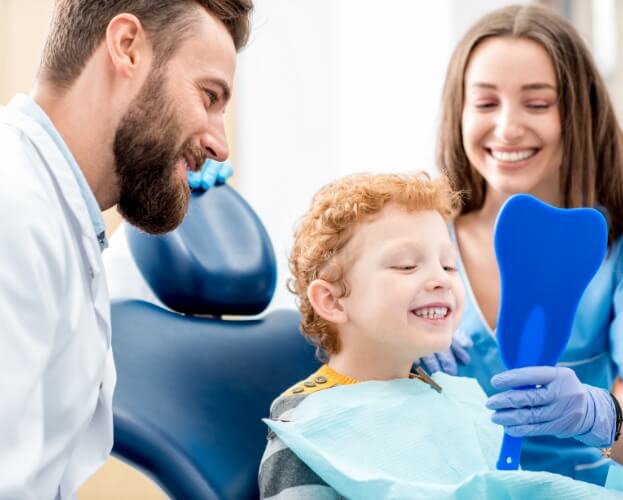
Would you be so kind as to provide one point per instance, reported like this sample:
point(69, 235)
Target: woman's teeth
point(512, 156)
point(432, 312)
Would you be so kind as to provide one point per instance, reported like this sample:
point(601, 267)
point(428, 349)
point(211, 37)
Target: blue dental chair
point(192, 386)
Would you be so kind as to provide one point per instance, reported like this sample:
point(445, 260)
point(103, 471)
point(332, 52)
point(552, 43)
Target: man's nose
point(214, 139)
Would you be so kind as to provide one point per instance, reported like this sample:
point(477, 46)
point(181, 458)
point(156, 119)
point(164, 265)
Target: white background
point(332, 87)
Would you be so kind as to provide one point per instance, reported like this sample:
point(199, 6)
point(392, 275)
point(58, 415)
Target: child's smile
point(437, 313)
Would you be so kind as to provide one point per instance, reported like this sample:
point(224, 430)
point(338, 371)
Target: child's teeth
point(432, 312)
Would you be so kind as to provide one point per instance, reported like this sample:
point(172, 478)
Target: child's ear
point(324, 298)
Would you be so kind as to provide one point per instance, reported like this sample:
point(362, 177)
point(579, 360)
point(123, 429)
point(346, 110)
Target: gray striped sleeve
point(283, 475)
point(306, 493)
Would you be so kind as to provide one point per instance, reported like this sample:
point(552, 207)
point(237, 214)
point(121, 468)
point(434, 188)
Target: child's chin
point(434, 343)
point(444, 344)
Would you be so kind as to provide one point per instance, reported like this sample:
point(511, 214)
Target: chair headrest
point(219, 261)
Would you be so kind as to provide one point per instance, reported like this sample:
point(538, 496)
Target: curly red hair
point(329, 224)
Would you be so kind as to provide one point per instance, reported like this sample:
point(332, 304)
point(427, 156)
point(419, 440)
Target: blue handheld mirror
point(546, 256)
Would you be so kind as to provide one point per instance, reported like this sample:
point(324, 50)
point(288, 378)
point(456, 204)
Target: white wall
point(331, 87)
point(23, 27)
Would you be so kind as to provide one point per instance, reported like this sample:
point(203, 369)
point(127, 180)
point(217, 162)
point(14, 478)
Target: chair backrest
point(191, 391)
point(220, 260)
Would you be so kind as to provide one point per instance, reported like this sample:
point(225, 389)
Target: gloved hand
point(447, 361)
point(560, 405)
point(211, 173)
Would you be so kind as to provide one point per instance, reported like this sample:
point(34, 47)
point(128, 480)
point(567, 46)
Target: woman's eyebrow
point(483, 85)
point(539, 86)
point(527, 86)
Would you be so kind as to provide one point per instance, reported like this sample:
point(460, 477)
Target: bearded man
point(128, 99)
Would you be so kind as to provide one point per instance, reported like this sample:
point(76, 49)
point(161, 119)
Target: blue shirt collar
point(26, 105)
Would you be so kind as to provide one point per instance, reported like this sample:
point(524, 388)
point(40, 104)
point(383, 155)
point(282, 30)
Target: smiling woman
point(526, 111)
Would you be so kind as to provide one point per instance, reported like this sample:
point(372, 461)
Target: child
point(374, 271)
point(526, 111)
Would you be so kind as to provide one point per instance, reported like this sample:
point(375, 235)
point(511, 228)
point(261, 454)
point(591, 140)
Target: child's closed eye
point(403, 267)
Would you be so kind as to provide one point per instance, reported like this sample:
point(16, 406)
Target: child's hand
point(447, 361)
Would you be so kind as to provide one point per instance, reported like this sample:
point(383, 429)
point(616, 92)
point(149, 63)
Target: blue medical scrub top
point(594, 352)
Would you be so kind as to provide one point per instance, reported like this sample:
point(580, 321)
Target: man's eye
point(212, 96)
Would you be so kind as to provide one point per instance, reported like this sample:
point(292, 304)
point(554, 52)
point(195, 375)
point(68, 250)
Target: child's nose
point(438, 281)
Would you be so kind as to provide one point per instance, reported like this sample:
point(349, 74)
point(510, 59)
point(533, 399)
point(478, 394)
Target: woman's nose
point(508, 129)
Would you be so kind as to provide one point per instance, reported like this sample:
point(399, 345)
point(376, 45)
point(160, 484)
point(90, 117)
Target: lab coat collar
point(27, 105)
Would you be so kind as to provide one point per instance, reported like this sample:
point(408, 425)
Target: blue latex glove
point(560, 405)
point(212, 173)
point(447, 361)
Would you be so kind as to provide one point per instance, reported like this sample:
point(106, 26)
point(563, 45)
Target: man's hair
point(329, 225)
point(591, 172)
point(78, 27)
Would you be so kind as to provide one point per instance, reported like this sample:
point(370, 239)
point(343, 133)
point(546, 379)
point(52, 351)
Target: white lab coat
point(56, 369)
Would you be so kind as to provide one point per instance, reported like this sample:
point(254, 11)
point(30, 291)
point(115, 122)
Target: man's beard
point(152, 194)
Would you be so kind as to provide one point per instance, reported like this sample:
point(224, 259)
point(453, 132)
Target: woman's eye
point(450, 269)
point(539, 106)
point(407, 267)
point(485, 105)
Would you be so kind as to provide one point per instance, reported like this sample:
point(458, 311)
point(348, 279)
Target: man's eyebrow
point(222, 84)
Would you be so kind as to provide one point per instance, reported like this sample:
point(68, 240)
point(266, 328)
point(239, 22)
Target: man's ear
point(126, 43)
point(325, 299)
